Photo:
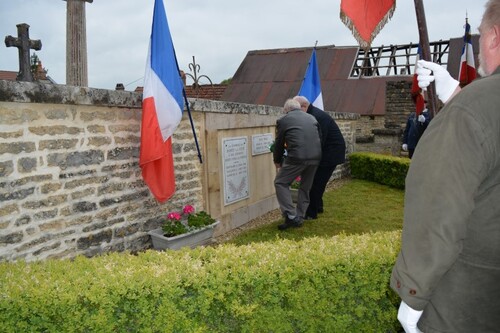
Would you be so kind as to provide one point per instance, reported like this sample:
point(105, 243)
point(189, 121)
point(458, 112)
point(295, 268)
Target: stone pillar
point(76, 43)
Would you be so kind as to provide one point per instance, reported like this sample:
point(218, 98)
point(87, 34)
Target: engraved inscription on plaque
point(261, 143)
point(235, 169)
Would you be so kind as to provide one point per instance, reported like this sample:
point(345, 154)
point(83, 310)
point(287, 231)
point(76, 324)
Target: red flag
point(162, 107)
point(365, 18)
point(467, 65)
point(416, 91)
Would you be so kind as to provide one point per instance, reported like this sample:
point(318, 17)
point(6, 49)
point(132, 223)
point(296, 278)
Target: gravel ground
point(269, 217)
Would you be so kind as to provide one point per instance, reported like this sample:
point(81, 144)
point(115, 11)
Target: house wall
point(70, 181)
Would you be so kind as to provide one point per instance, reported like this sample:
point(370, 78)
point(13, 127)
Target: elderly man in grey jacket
point(298, 133)
point(448, 271)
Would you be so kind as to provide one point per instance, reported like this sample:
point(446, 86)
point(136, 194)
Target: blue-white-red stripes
point(311, 84)
point(467, 71)
point(162, 108)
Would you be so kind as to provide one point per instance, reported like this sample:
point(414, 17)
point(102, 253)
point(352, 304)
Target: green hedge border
point(337, 284)
point(382, 169)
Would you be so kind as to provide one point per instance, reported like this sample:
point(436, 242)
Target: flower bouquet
point(296, 183)
point(272, 146)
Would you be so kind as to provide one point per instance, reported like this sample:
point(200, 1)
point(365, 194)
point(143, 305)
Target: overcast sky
point(219, 33)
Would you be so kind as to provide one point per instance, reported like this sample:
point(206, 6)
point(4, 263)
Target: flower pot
point(295, 194)
point(191, 239)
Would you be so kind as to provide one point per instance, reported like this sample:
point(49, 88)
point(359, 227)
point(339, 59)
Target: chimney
point(183, 77)
point(40, 73)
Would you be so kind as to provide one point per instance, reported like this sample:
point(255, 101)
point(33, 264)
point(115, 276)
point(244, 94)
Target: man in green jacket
point(448, 271)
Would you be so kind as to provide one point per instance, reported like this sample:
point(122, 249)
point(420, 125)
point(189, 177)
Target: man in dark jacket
point(415, 127)
point(333, 154)
point(300, 134)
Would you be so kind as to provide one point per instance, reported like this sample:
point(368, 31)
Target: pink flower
point(298, 179)
point(188, 209)
point(174, 216)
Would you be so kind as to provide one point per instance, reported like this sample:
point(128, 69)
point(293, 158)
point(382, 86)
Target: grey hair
point(290, 105)
point(302, 100)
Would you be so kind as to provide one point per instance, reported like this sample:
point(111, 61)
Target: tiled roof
point(269, 77)
point(8, 75)
point(41, 75)
point(205, 91)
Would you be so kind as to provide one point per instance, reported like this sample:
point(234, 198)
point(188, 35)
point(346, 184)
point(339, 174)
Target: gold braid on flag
point(366, 18)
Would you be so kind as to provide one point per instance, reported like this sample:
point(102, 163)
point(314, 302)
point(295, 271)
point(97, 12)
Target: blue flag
point(311, 85)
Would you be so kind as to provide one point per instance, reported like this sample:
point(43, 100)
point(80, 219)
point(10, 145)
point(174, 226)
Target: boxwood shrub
point(337, 284)
point(382, 169)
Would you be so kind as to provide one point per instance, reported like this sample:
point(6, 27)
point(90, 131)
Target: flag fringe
point(350, 25)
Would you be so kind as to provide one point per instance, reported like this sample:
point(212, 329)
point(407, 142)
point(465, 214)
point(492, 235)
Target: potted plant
point(186, 228)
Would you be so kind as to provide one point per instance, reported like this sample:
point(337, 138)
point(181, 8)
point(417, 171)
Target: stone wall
point(399, 104)
point(70, 183)
point(70, 179)
point(383, 134)
point(365, 126)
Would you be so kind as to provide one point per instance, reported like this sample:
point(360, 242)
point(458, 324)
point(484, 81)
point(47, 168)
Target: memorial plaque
point(235, 169)
point(261, 143)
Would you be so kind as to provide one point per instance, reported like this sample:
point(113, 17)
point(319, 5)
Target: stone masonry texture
point(70, 180)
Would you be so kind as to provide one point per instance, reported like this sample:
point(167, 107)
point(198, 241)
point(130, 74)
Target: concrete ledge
point(36, 92)
point(205, 105)
point(344, 115)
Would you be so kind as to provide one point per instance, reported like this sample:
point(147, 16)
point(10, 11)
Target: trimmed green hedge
point(338, 284)
point(382, 169)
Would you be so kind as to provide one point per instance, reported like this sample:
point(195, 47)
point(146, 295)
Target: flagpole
point(192, 124)
point(309, 64)
point(426, 54)
point(466, 40)
point(188, 109)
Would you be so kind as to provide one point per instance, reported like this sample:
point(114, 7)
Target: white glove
point(421, 118)
point(445, 84)
point(409, 318)
point(404, 147)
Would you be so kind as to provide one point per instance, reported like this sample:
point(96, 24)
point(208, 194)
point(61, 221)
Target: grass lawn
point(356, 207)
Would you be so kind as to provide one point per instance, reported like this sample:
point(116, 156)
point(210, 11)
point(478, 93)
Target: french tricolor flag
point(311, 84)
point(467, 65)
point(162, 107)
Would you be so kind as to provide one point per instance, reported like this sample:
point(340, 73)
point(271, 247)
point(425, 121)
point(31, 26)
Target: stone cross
point(23, 44)
point(76, 43)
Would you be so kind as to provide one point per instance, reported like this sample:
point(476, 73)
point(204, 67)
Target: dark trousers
point(321, 178)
